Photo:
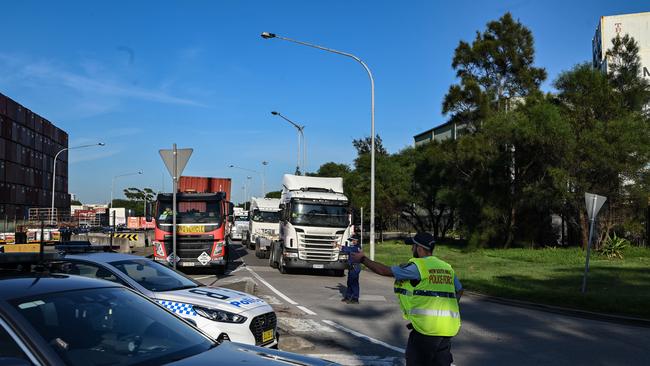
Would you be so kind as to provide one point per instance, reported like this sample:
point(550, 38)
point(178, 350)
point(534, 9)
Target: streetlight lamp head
point(140, 172)
point(101, 144)
point(231, 166)
point(274, 113)
point(267, 35)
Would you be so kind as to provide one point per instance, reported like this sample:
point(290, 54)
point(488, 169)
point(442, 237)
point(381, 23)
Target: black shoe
point(353, 301)
point(345, 299)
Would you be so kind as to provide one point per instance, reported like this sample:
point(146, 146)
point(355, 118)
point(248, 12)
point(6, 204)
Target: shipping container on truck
point(201, 223)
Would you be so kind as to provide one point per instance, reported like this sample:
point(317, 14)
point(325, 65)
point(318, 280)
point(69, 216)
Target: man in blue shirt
point(354, 270)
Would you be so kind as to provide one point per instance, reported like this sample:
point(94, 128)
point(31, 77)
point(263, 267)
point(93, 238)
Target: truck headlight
point(219, 315)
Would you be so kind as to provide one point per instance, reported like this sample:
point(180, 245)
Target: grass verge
point(550, 276)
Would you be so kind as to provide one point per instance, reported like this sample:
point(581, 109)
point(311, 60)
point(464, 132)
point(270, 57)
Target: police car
point(222, 313)
point(58, 319)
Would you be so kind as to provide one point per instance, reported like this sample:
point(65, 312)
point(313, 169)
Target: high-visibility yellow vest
point(431, 306)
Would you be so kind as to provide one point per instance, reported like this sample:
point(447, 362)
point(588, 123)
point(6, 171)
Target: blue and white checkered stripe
point(178, 307)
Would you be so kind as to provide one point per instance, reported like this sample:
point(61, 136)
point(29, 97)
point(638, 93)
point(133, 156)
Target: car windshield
point(266, 216)
point(153, 276)
point(317, 214)
point(110, 326)
point(190, 212)
point(241, 218)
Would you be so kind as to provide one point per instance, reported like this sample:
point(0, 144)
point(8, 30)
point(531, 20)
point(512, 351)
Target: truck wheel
point(258, 252)
point(281, 267)
point(266, 254)
point(272, 262)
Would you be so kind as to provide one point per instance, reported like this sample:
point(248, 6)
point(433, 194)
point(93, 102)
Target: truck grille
point(261, 323)
point(314, 247)
point(190, 247)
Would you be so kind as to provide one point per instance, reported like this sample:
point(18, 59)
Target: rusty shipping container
point(205, 185)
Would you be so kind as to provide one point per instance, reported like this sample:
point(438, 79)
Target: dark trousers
point(352, 292)
point(423, 350)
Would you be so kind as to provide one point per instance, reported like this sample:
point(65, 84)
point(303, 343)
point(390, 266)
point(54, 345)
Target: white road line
point(203, 277)
point(285, 297)
point(304, 309)
point(363, 336)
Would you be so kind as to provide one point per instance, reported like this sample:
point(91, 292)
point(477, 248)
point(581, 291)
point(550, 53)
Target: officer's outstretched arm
point(376, 267)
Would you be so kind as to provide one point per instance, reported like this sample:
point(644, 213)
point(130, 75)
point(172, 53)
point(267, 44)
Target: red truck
point(203, 206)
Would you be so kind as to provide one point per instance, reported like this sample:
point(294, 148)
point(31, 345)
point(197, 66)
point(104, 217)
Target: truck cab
point(264, 224)
point(314, 224)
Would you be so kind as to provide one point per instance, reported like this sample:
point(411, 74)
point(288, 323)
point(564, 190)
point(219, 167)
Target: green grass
point(550, 276)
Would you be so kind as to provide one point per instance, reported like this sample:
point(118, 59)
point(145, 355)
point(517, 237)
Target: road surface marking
point(354, 360)
point(299, 325)
point(203, 277)
point(369, 298)
point(238, 269)
point(285, 297)
point(271, 300)
point(305, 310)
point(363, 336)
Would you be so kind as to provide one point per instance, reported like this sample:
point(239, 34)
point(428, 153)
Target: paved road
point(314, 321)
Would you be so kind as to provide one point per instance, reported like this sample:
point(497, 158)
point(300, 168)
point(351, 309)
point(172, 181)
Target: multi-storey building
point(28, 144)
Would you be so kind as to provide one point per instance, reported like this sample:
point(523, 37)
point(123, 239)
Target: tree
point(136, 194)
point(76, 202)
point(624, 72)
point(496, 68)
point(610, 151)
point(331, 169)
point(273, 194)
point(363, 146)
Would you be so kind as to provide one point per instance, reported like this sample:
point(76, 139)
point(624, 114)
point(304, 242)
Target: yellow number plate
point(188, 229)
point(267, 335)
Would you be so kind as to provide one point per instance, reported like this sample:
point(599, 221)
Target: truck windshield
point(316, 214)
point(266, 216)
point(241, 218)
point(190, 212)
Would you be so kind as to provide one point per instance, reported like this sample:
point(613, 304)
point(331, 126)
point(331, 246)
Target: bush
point(613, 247)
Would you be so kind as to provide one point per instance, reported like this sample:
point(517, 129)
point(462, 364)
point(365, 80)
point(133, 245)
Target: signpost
point(175, 160)
point(594, 203)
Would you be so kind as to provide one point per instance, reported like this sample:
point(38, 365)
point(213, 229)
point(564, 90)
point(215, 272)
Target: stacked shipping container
point(28, 143)
point(205, 185)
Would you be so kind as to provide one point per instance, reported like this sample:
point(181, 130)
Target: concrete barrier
point(124, 244)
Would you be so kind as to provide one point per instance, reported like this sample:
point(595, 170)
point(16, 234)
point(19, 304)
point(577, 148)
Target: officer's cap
point(422, 239)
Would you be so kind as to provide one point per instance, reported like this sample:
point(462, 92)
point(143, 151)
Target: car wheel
point(272, 262)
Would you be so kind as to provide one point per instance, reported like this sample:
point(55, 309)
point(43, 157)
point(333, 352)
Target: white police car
point(222, 313)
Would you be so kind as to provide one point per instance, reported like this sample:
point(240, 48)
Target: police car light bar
point(27, 258)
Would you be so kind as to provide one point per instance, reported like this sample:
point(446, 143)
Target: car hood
point(216, 298)
point(230, 353)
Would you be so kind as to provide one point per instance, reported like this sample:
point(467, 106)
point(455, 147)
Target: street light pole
point(267, 35)
point(253, 171)
point(264, 164)
point(113, 185)
point(54, 173)
point(301, 140)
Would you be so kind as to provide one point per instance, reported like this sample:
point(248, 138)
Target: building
point(447, 130)
point(636, 25)
point(28, 144)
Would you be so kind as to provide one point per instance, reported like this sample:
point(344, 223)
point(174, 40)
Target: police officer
point(354, 270)
point(428, 292)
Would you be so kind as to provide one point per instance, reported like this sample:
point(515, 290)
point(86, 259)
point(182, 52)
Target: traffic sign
point(183, 156)
point(594, 203)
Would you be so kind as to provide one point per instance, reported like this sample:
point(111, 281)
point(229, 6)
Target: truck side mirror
point(231, 209)
point(148, 210)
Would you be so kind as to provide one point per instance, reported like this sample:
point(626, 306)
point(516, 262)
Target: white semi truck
point(264, 224)
point(314, 224)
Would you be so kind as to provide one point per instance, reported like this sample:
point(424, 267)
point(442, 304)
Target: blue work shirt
point(411, 272)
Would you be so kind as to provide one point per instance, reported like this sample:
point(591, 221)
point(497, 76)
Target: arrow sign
point(594, 203)
point(183, 156)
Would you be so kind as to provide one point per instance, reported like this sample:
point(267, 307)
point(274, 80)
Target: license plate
point(318, 266)
point(267, 335)
point(187, 264)
point(189, 229)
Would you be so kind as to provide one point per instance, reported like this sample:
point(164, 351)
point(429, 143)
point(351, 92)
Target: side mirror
point(231, 208)
point(148, 211)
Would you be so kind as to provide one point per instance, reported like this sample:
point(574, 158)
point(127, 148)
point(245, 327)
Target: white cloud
point(22, 70)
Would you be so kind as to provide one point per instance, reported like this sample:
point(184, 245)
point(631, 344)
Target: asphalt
point(313, 321)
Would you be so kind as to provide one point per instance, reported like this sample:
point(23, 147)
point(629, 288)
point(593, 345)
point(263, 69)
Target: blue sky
point(142, 75)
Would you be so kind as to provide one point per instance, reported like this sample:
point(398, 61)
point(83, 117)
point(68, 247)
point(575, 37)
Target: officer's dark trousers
point(352, 291)
point(423, 350)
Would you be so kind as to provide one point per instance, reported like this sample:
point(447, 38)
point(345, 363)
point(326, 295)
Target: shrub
point(613, 247)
